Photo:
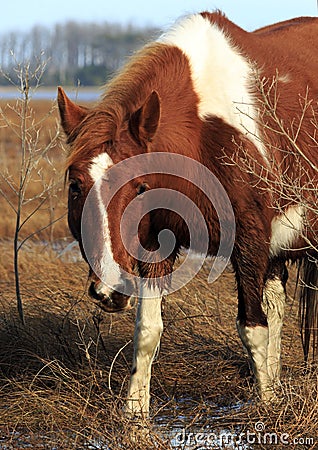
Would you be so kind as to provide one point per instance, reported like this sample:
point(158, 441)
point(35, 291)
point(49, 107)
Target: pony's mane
point(124, 94)
point(91, 137)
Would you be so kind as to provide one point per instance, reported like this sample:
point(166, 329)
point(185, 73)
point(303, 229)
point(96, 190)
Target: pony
point(216, 116)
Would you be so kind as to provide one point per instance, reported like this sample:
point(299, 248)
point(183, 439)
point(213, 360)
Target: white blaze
point(110, 271)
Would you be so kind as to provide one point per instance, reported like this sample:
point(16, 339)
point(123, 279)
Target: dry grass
point(62, 387)
point(57, 390)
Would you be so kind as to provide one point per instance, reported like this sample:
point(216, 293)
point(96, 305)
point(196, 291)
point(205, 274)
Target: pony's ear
point(70, 113)
point(144, 122)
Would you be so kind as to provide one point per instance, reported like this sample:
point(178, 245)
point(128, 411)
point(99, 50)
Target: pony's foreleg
point(147, 336)
point(255, 339)
point(274, 298)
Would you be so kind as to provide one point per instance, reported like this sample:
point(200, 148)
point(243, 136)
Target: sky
point(249, 14)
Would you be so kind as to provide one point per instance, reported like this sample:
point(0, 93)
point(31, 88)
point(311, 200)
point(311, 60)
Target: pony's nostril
point(93, 292)
point(110, 300)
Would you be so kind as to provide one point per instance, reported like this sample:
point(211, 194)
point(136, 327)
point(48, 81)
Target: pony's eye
point(142, 187)
point(74, 189)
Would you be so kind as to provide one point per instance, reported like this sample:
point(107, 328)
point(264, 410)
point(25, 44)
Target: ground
point(64, 374)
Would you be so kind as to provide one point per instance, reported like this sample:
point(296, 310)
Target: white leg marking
point(255, 340)
point(221, 75)
point(286, 228)
point(147, 336)
point(274, 307)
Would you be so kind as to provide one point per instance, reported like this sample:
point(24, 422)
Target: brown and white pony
point(242, 105)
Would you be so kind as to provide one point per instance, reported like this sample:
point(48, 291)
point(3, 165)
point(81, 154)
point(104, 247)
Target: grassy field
point(63, 378)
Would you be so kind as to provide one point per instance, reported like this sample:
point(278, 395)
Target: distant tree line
point(87, 53)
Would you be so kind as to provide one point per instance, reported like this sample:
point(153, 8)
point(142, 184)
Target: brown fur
point(284, 52)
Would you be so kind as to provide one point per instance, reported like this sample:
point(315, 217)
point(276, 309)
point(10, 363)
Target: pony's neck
point(164, 69)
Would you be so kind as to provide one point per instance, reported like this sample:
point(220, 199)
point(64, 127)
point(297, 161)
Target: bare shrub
point(26, 187)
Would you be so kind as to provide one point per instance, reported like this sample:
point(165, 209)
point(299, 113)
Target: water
point(180, 437)
point(64, 249)
point(81, 94)
point(68, 252)
point(198, 435)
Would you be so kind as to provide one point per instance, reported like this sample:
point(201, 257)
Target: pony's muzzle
point(112, 300)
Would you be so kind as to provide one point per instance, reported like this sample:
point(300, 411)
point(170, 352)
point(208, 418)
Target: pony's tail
point(308, 307)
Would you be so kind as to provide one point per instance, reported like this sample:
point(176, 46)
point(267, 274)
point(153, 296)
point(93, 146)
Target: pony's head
point(100, 190)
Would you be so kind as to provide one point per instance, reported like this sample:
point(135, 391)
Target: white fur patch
point(147, 336)
point(99, 165)
point(274, 297)
point(286, 228)
point(273, 304)
point(110, 273)
point(222, 77)
point(255, 340)
point(284, 78)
